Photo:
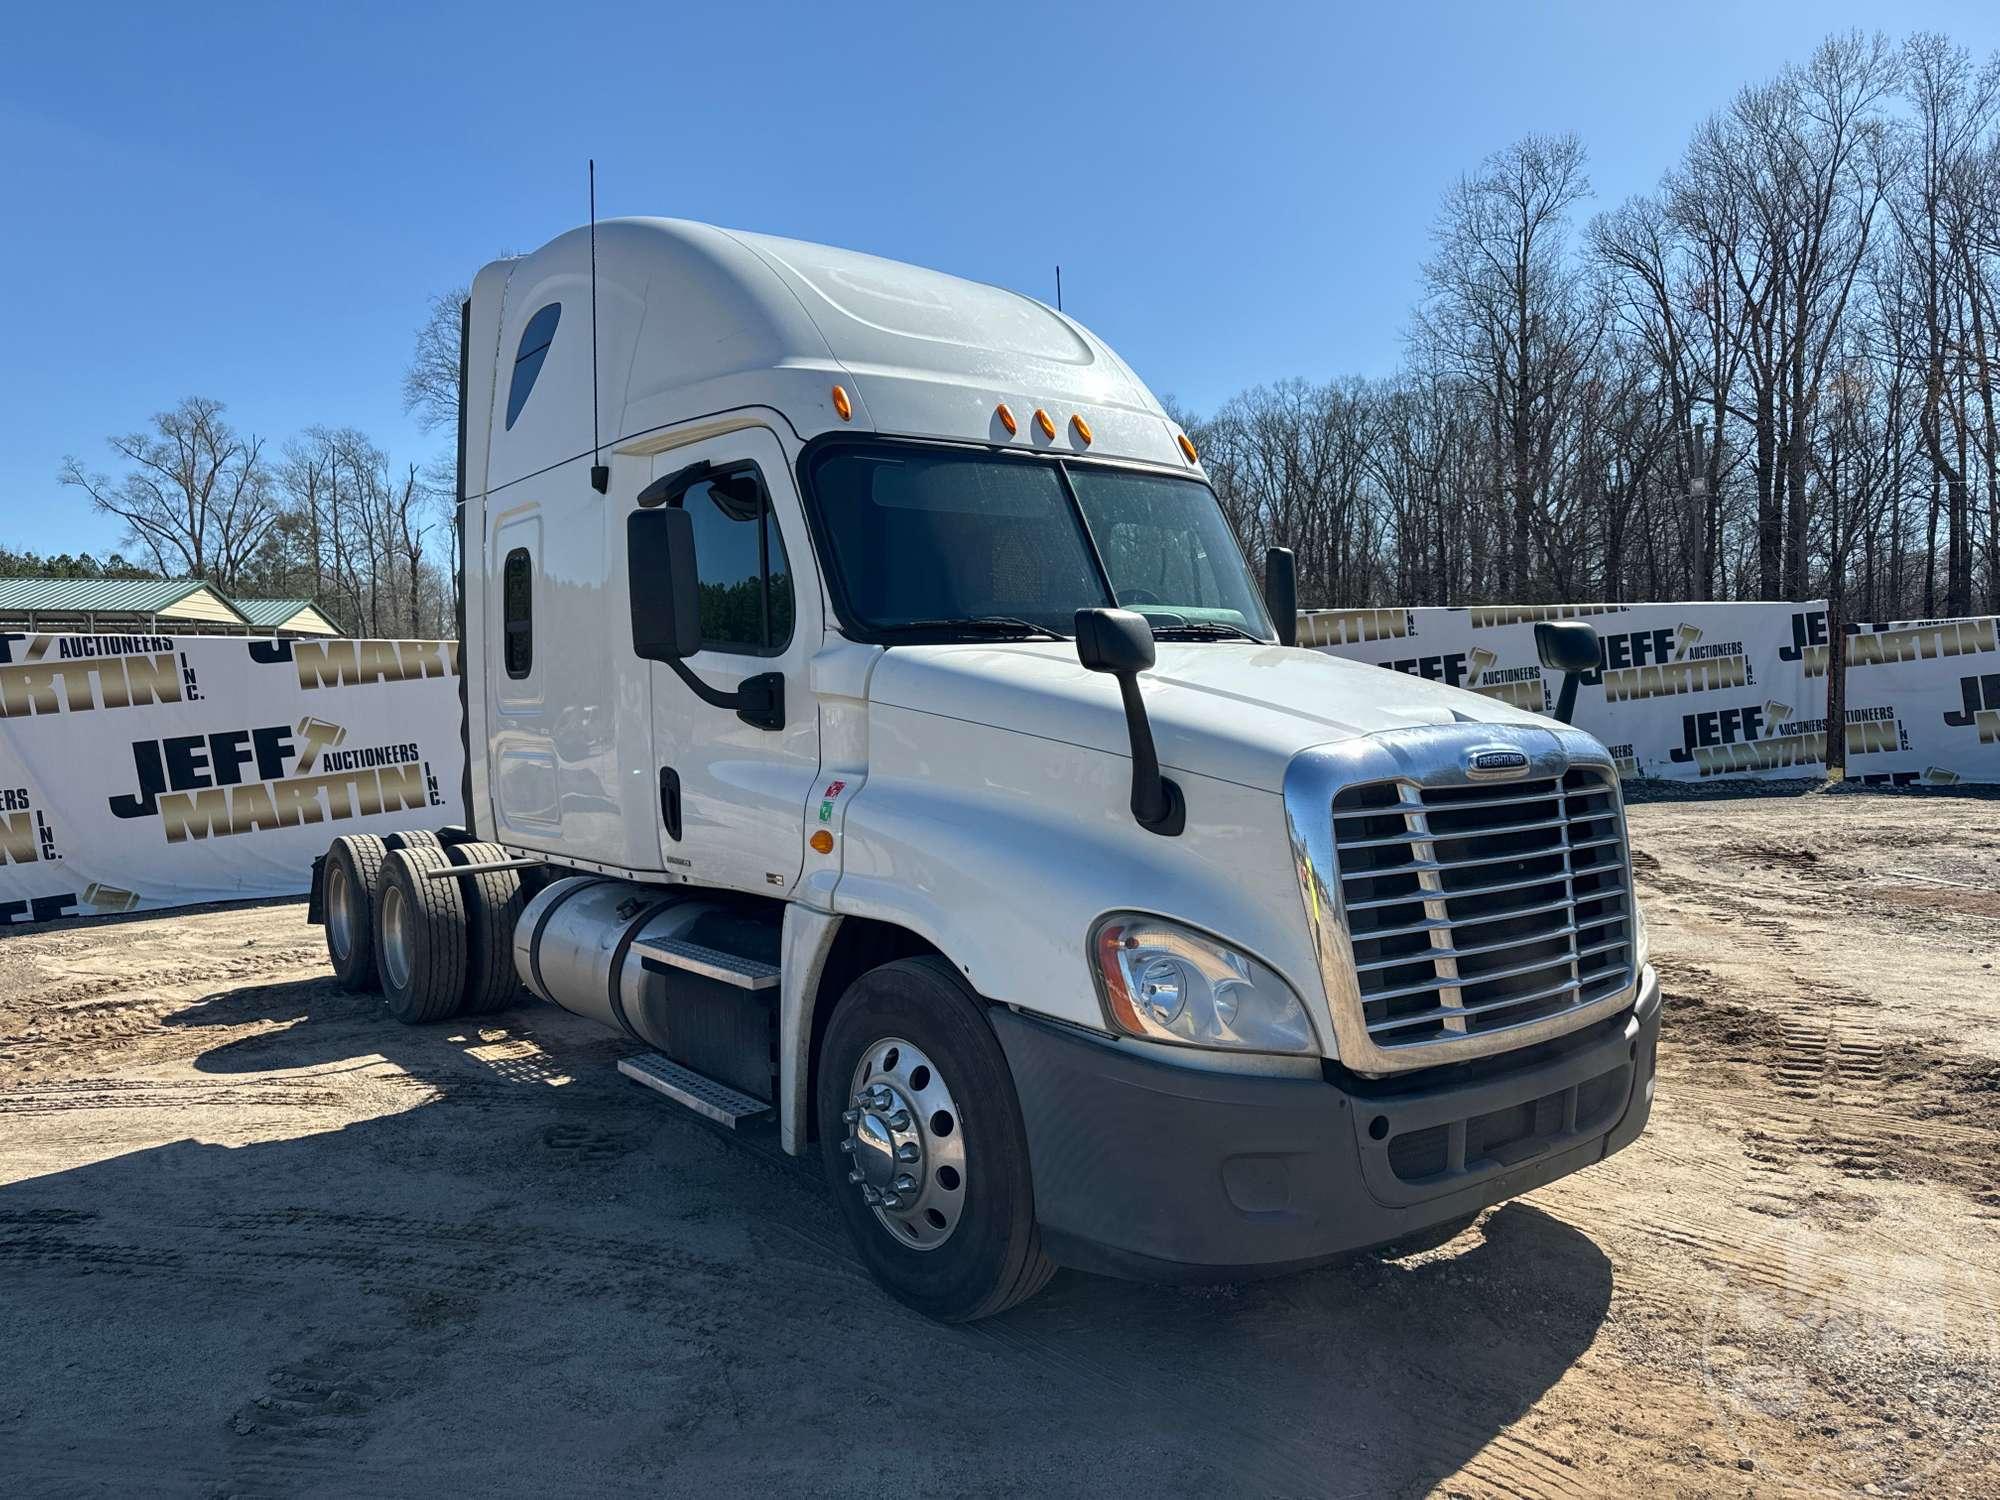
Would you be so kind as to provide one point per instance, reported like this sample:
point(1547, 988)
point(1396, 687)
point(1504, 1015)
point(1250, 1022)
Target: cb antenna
point(1058, 288)
point(600, 472)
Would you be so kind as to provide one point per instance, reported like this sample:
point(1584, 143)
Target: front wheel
point(921, 1136)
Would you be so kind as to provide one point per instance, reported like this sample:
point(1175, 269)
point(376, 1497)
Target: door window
point(746, 580)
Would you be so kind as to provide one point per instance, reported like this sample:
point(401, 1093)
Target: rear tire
point(493, 903)
point(961, 1241)
point(353, 868)
point(420, 936)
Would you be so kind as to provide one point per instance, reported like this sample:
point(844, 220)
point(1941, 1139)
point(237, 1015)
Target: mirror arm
point(758, 701)
point(1566, 699)
point(1157, 803)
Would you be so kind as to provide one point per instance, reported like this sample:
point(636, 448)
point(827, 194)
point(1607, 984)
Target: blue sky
point(253, 201)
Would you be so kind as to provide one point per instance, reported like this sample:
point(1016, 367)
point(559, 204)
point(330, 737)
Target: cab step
point(700, 1093)
point(663, 954)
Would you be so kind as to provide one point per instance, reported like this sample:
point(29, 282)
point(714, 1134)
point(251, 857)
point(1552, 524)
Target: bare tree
point(1509, 312)
point(195, 494)
point(430, 383)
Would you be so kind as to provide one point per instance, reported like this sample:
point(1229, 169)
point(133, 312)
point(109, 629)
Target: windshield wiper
point(996, 626)
point(1205, 630)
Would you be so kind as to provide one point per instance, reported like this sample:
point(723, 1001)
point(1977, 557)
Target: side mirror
point(1120, 642)
point(665, 589)
point(1281, 593)
point(1568, 647)
point(666, 613)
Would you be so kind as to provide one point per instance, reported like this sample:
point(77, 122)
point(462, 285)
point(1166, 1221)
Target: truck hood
point(1235, 710)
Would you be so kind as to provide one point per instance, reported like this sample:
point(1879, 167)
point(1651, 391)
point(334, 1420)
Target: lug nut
point(855, 1175)
point(850, 1116)
point(890, 1200)
point(906, 1183)
point(848, 1144)
point(870, 1195)
point(900, 1120)
point(908, 1151)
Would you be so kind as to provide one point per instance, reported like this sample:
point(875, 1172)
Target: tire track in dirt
point(1848, 1279)
point(68, 1096)
point(1515, 1465)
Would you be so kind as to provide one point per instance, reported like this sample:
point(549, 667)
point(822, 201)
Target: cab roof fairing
point(694, 321)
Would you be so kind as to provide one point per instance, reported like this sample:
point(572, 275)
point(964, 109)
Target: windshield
point(937, 542)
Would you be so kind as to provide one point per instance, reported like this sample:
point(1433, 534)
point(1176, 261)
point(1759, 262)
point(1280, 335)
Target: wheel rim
point(398, 936)
point(341, 918)
point(905, 1144)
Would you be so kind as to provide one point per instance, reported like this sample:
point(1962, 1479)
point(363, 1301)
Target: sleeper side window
point(535, 341)
point(517, 599)
point(746, 580)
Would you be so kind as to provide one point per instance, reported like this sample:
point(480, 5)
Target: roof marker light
point(1006, 419)
point(842, 405)
point(1186, 447)
point(1042, 421)
point(1082, 429)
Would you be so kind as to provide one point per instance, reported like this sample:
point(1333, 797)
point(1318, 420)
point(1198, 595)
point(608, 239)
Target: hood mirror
point(1569, 647)
point(1281, 593)
point(1120, 642)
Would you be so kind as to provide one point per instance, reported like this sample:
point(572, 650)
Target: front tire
point(921, 1138)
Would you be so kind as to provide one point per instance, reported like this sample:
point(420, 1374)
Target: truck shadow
point(525, 1272)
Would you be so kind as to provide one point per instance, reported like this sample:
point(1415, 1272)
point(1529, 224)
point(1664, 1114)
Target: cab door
point(732, 794)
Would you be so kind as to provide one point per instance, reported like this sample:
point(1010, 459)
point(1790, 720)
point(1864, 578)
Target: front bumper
point(1168, 1173)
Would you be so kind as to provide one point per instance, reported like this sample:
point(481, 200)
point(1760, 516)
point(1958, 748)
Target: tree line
point(326, 515)
point(1773, 377)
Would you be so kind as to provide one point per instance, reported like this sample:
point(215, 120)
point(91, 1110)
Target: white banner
point(151, 771)
point(1923, 700)
point(1685, 692)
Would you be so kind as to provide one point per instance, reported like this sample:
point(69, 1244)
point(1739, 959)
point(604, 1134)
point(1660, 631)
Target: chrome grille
point(1473, 909)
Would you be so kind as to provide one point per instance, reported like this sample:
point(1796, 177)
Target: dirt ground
point(255, 1239)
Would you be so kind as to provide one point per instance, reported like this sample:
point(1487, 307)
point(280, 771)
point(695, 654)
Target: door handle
point(670, 801)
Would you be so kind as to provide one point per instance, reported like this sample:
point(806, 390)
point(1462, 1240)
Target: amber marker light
point(1082, 429)
point(1042, 421)
point(1187, 448)
point(1110, 942)
point(822, 842)
point(1006, 419)
point(842, 405)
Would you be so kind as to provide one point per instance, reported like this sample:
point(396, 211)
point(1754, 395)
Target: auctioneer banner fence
point(1698, 691)
point(1923, 698)
point(151, 771)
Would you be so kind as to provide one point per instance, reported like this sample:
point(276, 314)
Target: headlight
point(1169, 983)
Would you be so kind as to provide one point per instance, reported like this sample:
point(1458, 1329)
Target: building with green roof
point(150, 606)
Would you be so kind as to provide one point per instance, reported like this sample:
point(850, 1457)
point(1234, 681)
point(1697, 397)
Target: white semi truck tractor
point(869, 711)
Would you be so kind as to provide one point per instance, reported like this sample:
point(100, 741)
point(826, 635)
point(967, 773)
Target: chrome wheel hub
point(905, 1147)
point(398, 937)
point(342, 921)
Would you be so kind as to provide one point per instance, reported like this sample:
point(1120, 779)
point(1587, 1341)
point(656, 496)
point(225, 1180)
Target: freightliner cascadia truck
point(869, 711)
